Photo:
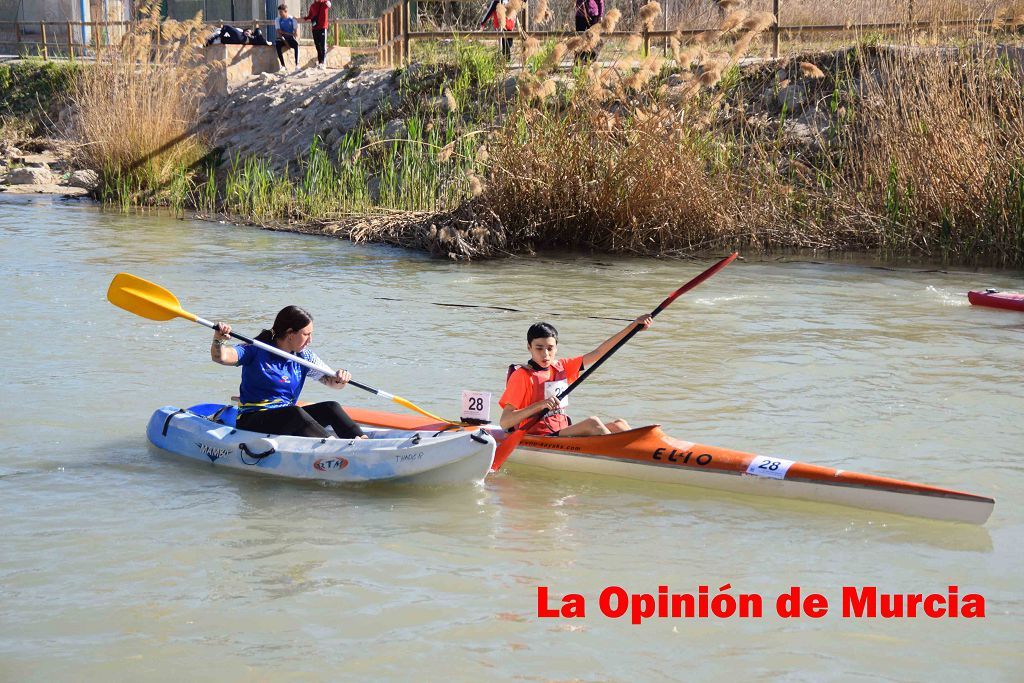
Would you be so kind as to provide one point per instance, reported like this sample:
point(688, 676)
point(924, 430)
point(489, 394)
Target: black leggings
point(320, 41)
point(305, 421)
point(287, 41)
point(583, 23)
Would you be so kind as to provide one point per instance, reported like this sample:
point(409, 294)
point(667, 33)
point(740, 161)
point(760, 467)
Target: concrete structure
point(228, 10)
point(233, 65)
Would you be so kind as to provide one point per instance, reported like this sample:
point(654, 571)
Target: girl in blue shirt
point(271, 384)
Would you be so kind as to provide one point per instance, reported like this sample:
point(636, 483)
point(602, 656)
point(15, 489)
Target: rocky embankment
point(41, 171)
point(276, 116)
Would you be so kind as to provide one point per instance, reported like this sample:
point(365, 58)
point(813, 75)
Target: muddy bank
point(469, 159)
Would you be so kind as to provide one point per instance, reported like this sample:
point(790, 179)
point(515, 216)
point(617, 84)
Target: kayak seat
point(216, 412)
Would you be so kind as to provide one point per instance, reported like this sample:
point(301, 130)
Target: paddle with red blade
point(506, 447)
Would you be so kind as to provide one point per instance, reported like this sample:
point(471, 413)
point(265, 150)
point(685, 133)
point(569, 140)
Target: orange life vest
point(544, 382)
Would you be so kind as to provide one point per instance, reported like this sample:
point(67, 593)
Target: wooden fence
point(391, 36)
point(397, 32)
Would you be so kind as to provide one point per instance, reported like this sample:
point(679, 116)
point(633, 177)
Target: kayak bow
point(993, 299)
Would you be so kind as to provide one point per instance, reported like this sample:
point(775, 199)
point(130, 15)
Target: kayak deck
point(648, 454)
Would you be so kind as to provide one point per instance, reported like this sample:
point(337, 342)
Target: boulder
point(30, 175)
point(396, 130)
point(792, 97)
point(86, 179)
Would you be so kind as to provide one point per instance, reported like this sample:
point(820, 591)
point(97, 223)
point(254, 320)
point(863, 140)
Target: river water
point(120, 563)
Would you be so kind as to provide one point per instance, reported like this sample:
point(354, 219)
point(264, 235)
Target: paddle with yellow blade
point(506, 447)
point(150, 300)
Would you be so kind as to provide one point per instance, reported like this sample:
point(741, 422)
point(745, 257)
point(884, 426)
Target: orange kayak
point(649, 454)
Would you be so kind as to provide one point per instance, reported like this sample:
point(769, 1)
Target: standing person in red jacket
point(318, 17)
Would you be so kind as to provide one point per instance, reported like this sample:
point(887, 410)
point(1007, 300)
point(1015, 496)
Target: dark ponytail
point(289, 318)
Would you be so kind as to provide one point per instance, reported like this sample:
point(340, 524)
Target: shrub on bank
point(33, 91)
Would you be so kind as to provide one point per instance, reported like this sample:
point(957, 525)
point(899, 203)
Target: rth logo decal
point(328, 464)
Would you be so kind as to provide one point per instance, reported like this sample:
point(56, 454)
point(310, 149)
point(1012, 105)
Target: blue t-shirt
point(269, 381)
point(286, 25)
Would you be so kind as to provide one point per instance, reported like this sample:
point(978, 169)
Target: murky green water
point(120, 563)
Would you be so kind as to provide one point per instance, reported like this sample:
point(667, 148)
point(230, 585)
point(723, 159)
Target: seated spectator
point(229, 35)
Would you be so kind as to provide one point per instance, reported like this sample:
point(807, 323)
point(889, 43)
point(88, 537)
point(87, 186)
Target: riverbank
point(34, 159)
point(900, 151)
point(819, 151)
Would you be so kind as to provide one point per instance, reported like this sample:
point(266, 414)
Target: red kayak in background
point(994, 299)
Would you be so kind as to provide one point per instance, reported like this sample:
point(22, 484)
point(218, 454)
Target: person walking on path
point(509, 26)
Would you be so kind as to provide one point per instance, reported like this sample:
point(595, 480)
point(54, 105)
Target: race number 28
point(773, 468)
point(477, 405)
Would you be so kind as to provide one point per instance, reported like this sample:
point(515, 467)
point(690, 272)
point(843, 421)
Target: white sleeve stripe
point(315, 360)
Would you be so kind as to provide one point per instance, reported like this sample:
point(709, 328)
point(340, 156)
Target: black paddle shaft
point(636, 328)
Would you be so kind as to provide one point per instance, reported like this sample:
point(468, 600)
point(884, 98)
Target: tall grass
point(136, 107)
point(934, 153)
point(904, 151)
point(572, 180)
point(618, 160)
point(368, 173)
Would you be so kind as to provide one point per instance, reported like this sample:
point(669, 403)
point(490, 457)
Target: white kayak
point(207, 433)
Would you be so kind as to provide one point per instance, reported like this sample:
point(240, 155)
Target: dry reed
point(647, 15)
point(137, 104)
point(811, 70)
point(542, 14)
point(611, 20)
point(531, 46)
point(936, 152)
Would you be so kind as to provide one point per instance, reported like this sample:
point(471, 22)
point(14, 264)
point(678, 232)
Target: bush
point(34, 91)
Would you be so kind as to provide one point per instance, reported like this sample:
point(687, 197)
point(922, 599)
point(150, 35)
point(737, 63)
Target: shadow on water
point(514, 504)
point(542, 497)
point(637, 502)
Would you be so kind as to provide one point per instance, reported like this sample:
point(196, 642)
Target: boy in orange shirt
point(533, 388)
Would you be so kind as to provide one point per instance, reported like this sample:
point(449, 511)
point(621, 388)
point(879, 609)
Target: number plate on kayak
point(773, 468)
point(476, 405)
